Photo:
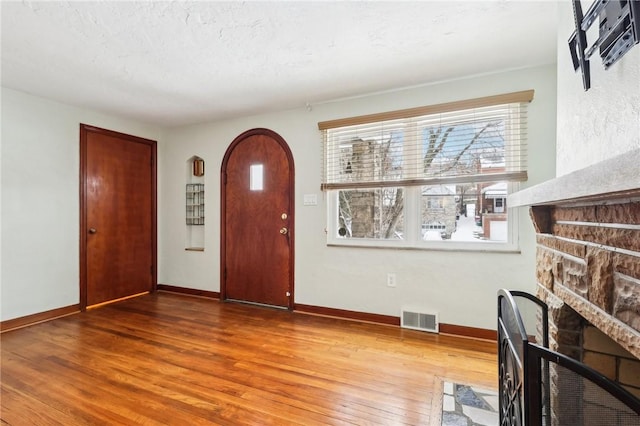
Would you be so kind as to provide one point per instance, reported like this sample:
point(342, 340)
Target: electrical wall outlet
point(391, 280)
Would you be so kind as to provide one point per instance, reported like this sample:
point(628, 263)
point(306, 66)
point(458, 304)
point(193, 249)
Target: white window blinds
point(477, 140)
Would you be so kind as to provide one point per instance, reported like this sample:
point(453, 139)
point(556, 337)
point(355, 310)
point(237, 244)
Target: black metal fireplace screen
point(539, 386)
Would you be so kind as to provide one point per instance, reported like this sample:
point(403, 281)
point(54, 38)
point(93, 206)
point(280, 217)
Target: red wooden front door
point(257, 220)
point(118, 208)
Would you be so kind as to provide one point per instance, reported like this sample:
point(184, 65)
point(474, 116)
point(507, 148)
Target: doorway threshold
point(264, 305)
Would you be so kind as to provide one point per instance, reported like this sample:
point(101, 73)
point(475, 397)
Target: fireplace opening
point(572, 335)
point(540, 386)
point(572, 399)
point(603, 354)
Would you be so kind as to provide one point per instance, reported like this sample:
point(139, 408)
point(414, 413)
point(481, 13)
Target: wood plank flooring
point(169, 359)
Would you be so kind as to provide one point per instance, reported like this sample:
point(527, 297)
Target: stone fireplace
point(587, 227)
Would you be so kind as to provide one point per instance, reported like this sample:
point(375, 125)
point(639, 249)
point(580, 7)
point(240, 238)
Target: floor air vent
point(419, 320)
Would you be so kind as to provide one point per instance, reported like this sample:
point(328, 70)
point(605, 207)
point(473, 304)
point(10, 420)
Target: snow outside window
point(429, 177)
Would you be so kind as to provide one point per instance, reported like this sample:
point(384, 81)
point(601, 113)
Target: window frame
point(413, 229)
point(412, 186)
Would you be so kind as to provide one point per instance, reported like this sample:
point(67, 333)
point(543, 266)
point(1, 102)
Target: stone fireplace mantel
point(588, 244)
point(617, 178)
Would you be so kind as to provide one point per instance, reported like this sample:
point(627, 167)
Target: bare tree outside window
point(371, 213)
point(456, 149)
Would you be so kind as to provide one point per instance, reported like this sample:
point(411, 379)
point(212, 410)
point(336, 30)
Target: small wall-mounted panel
point(195, 204)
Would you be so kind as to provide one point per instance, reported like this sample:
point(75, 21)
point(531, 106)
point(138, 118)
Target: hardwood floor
point(169, 359)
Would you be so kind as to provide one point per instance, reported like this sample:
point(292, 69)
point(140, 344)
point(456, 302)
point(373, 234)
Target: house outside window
point(429, 177)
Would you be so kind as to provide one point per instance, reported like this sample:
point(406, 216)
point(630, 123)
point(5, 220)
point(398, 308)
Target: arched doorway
point(257, 220)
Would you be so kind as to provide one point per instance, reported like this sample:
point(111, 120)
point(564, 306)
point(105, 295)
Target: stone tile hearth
point(465, 405)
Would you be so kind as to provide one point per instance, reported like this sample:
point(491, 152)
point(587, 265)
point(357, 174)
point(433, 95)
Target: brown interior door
point(257, 220)
point(118, 210)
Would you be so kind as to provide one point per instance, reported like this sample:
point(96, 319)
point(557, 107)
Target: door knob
point(92, 230)
point(284, 231)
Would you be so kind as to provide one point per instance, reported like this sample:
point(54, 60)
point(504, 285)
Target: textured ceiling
point(176, 63)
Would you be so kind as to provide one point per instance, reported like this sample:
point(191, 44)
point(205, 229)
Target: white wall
point(460, 286)
point(41, 201)
point(40, 208)
point(605, 120)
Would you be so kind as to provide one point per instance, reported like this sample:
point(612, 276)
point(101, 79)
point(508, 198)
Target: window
point(435, 176)
point(435, 203)
point(256, 177)
point(371, 213)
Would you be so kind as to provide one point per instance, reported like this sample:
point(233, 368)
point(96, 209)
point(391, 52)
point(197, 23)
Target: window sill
point(444, 247)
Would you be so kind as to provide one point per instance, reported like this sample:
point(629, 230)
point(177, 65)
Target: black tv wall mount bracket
point(619, 31)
